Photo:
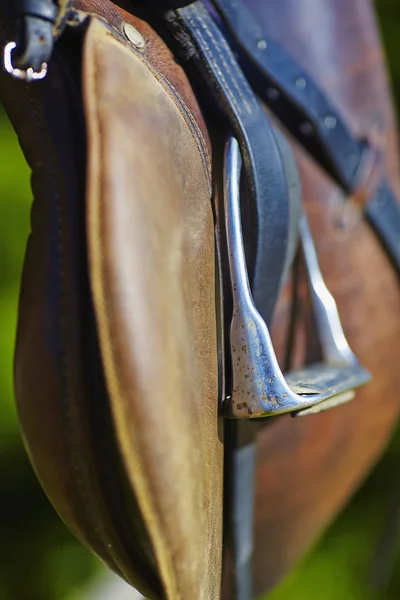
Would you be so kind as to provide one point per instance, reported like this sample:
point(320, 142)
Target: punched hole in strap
point(369, 175)
point(259, 388)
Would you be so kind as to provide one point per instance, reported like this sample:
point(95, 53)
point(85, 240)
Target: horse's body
point(307, 467)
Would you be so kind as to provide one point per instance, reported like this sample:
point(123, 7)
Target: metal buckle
point(28, 75)
point(259, 388)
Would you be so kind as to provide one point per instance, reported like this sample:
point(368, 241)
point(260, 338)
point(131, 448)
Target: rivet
point(306, 128)
point(273, 93)
point(262, 44)
point(301, 83)
point(134, 36)
point(330, 121)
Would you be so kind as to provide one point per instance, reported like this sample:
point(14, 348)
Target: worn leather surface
point(309, 467)
point(152, 274)
point(155, 50)
point(53, 376)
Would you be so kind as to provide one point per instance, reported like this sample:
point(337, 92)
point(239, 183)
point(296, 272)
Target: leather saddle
point(168, 220)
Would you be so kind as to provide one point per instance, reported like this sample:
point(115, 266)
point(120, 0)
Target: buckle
point(27, 75)
point(259, 388)
point(37, 24)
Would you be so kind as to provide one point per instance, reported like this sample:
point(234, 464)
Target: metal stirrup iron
point(259, 388)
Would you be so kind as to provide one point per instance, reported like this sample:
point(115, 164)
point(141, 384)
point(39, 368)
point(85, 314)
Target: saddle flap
point(152, 274)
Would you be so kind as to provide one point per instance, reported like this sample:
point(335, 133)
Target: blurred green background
point(39, 560)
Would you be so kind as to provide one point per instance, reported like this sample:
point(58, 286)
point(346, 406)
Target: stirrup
point(259, 388)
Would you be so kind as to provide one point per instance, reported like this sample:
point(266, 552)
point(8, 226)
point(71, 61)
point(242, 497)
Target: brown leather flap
point(151, 261)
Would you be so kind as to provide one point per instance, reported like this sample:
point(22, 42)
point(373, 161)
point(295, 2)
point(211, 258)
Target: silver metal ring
point(28, 75)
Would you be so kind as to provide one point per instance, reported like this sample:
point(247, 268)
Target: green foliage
point(389, 17)
point(14, 215)
point(350, 562)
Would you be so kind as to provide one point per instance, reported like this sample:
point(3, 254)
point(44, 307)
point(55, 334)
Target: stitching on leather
point(122, 567)
point(188, 117)
point(113, 558)
point(62, 354)
point(107, 341)
point(75, 463)
point(179, 103)
point(99, 278)
point(192, 121)
point(236, 76)
point(172, 92)
point(73, 458)
point(220, 73)
point(73, 444)
point(228, 67)
point(85, 490)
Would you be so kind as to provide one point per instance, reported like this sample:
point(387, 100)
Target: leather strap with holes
point(294, 97)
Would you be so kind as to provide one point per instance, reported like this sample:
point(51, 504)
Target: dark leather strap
point(263, 165)
point(43, 9)
point(292, 95)
point(239, 489)
point(383, 214)
point(303, 108)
